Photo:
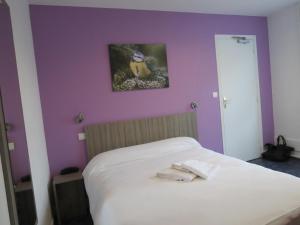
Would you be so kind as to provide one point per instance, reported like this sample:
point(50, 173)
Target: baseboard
point(296, 144)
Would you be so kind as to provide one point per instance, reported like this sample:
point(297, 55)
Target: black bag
point(280, 152)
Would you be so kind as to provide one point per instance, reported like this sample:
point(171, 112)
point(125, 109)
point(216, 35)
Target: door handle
point(225, 102)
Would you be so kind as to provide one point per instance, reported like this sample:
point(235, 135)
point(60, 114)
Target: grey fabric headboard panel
point(108, 136)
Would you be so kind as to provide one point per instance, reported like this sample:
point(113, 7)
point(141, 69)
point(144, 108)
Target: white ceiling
point(232, 7)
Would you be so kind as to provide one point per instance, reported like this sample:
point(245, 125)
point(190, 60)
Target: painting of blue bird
point(138, 66)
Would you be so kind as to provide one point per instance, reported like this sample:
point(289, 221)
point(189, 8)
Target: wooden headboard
point(108, 136)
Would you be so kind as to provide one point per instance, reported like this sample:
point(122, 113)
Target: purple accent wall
point(71, 46)
point(9, 85)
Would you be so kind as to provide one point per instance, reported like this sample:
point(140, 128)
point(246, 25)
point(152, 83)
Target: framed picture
point(138, 66)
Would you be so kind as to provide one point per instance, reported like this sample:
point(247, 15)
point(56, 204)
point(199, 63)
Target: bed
point(123, 189)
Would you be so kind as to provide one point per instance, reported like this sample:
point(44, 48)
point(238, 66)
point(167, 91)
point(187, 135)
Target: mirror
point(15, 129)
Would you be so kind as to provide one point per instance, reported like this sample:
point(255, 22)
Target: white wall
point(284, 36)
point(32, 111)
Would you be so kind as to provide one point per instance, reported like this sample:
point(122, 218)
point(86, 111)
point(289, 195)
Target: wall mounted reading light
point(79, 118)
point(9, 127)
point(2, 2)
point(194, 106)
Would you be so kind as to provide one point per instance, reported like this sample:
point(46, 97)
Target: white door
point(239, 96)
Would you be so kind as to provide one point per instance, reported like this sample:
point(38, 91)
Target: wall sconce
point(9, 127)
point(79, 118)
point(194, 106)
point(3, 2)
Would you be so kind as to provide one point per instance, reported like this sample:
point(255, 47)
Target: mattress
point(123, 189)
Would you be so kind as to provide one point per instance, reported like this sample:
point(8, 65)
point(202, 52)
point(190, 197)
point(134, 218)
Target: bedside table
point(25, 203)
point(70, 199)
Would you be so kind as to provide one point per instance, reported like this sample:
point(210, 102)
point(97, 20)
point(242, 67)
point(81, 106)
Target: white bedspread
point(123, 188)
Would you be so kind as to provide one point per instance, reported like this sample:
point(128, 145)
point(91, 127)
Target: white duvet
point(123, 189)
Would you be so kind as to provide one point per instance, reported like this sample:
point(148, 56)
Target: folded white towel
point(178, 166)
point(202, 169)
point(172, 174)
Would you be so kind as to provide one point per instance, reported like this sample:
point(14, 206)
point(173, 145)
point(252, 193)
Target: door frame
point(260, 127)
point(6, 169)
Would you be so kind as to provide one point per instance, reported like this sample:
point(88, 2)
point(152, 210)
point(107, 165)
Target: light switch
point(81, 136)
point(215, 94)
point(11, 146)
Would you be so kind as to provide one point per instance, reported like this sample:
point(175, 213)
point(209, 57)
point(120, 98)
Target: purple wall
point(9, 85)
point(71, 46)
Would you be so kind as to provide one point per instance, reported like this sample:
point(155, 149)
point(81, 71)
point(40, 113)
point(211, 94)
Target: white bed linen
point(123, 188)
